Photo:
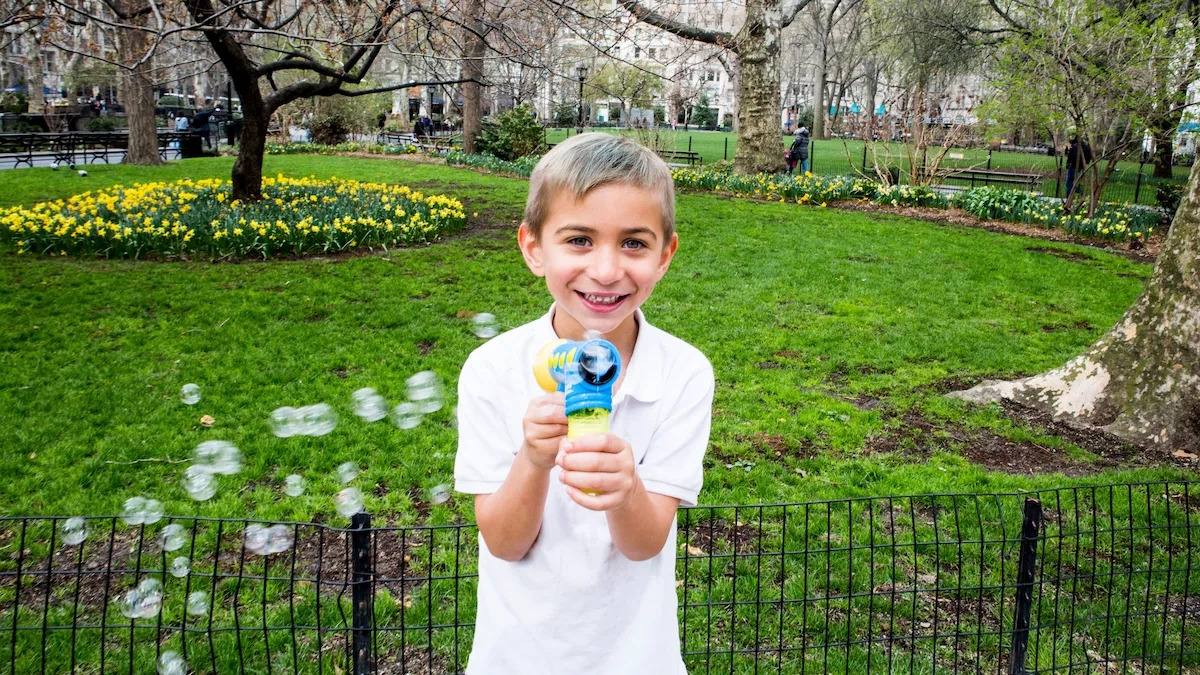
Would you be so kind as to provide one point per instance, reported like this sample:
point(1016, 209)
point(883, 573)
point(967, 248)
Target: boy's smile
point(601, 256)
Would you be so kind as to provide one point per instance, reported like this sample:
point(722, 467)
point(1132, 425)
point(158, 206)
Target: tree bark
point(759, 148)
point(35, 79)
point(872, 92)
point(819, 105)
point(472, 70)
point(137, 94)
point(1141, 381)
point(247, 168)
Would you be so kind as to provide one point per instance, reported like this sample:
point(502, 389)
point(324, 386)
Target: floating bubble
point(171, 663)
point(349, 501)
point(407, 415)
point(439, 494)
point(190, 394)
point(74, 531)
point(592, 334)
point(279, 539)
point(256, 538)
point(197, 603)
point(283, 422)
point(180, 567)
point(142, 511)
point(425, 390)
point(143, 602)
point(369, 405)
point(199, 483)
point(596, 359)
point(317, 420)
point(485, 326)
point(218, 457)
point(293, 485)
point(346, 472)
point(172, 537)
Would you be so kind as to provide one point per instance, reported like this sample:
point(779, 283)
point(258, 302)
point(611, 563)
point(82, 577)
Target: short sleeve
point(674, 460)
point(484, 453)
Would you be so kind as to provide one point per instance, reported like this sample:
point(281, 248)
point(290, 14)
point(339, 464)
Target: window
point(637, 52)
point(652, 52)
point(616, 52)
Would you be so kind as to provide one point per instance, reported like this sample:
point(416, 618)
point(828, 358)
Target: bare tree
point(757, 45)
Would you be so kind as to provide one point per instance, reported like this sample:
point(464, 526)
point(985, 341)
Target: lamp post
point(581, 71)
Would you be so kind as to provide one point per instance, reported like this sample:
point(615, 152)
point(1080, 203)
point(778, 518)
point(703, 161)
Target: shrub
point(1117, 222)
point(329, 127)
point(520, 167)
point(1168, 196)
point(189, 217)
point(514, 133)
point(103, 124)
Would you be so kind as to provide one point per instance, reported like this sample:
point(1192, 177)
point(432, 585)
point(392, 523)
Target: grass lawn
point(837, 156)
point(832, 334)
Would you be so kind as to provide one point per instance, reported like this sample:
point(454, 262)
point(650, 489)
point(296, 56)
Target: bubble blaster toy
point(585, 371)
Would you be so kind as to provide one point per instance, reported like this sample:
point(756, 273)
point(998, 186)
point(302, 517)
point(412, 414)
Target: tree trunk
point(35, 79)
point(872, 91)
point(1141, 381)
point(473, 70)
point(137, 93)
point(819, 105)
point(759, 148)
point(247, 169)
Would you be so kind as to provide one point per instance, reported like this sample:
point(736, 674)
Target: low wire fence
point(1092, 580)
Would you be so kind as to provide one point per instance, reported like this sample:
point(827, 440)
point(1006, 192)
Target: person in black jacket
point(798, 154)
point(1079, 155)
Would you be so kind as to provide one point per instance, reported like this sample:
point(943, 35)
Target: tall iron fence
point(1099, 579)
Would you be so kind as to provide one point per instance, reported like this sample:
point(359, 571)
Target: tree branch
point(683, 30)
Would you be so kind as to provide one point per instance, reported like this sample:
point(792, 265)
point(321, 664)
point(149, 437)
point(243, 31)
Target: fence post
point(726, 148)
point(1031, 526)
point(363, 595)
point(989, 164)
point(864, 157)
point(1058, 177)
point(1137, 191)
point(689, 143)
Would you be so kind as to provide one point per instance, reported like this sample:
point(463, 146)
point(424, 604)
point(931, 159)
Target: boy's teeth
point(601, 301)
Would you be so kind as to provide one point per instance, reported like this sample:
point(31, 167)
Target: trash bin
point(234, 129)
point(191, 146)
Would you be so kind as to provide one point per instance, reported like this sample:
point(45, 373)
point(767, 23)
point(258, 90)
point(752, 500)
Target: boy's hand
point(598, 463)
point(545, 427)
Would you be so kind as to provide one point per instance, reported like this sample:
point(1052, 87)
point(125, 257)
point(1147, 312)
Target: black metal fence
point(1090, 580)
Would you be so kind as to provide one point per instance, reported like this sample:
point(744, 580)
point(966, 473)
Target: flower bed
point(305, 148)
point(1116, 222)
point(295, 216)
point(521, 167)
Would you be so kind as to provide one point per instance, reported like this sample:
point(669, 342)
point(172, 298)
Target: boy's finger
point(585, 480)
point(598, 502)
point(602, 462)
point(595, 443)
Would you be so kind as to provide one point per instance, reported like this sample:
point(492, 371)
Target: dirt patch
point(1099, 442)
point(1059, 253)
point(426, 346)
point(716, 535)
point(864, 402)
point(787, 354)
point(769, 365)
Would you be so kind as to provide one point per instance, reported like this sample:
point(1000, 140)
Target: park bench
point(79, 147)
point(1025, 181)
point(675, 159)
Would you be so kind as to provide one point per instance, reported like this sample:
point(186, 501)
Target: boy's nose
point(606, 266)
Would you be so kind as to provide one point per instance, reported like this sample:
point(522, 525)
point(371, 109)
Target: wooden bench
point(1026, 181)
point(80, 147)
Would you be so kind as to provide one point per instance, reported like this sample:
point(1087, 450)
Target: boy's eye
point(635, 244)
point(578, 241)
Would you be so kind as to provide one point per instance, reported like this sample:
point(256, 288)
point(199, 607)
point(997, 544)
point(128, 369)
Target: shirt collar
point(644, 382)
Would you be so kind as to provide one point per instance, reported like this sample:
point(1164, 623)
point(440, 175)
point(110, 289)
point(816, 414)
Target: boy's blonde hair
point(585, 162)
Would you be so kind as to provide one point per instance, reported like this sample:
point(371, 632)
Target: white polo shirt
point(574, 603)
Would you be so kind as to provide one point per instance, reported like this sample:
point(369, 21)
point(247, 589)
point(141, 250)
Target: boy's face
point(601, 256)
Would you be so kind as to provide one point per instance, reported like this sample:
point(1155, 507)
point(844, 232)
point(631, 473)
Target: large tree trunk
point(819, 104)
point(759, 148)
point(472, 70)
point(872, 92)
point(1141, 381)
point(35, 79)
point(137, 93)
point(247, 168)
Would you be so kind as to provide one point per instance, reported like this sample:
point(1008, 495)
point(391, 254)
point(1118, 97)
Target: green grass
point(837, 156)
point(801, 310)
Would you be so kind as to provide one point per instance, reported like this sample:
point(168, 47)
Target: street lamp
point(581, 71)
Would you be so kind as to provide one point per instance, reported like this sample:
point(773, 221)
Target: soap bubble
point(369, 405)
point(190, 394)
point(142, 511)
point(595, 361)
point(217, 457)
point(316, 420)
point(346, 472)
point(407, 415)
point(74, 531)
point(171, 663)
point(180, 567)
point(425, 390)
point(592, 334)
point(439, 494)
point(197, 603)
point(198, 483)
point(293, 485)
point(279, 539)
point(255, 538)
point(485, 326)
point(283, 422)
point(349, 501)
point(172, 537)
point(143, 602)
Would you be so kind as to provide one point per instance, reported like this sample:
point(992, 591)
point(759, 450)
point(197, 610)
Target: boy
point(571, 581)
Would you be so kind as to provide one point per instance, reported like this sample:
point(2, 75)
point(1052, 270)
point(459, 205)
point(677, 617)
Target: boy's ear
point(668, 253)
point(531, 250)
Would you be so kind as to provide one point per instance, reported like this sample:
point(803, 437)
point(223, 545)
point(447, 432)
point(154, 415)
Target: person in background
point(799, 151)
